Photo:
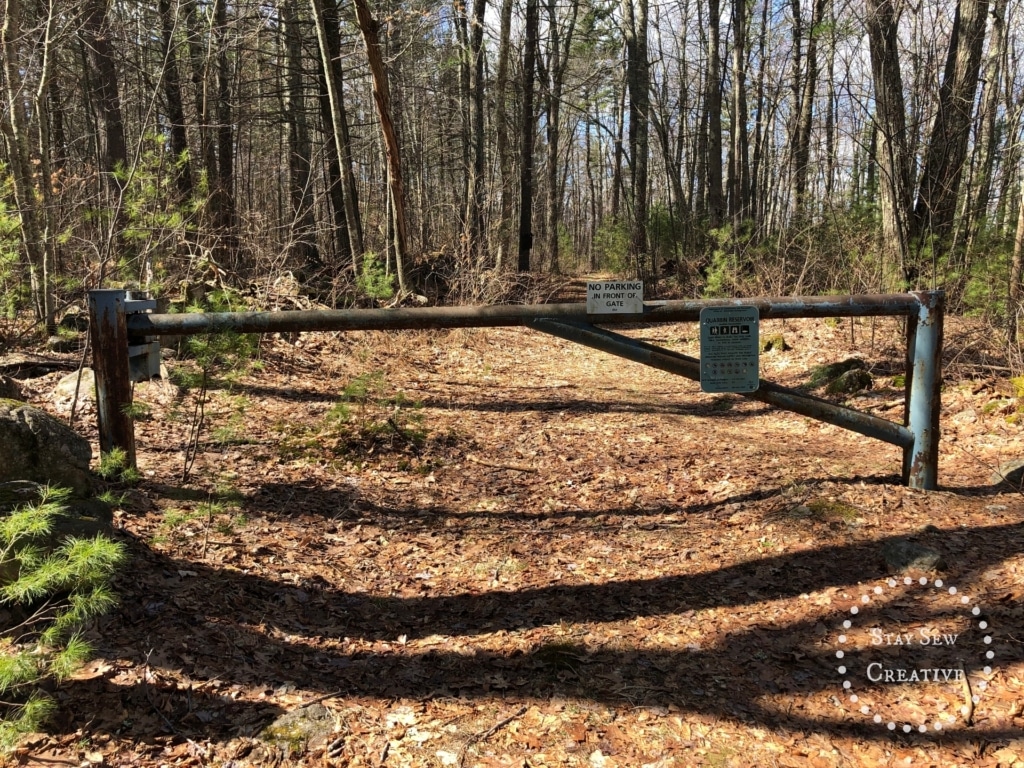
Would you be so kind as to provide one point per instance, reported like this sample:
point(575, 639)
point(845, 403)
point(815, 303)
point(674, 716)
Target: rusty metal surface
point(109, 337)
point(509, 315)
point(689, 367)
point(918, 436)
point(924, 403)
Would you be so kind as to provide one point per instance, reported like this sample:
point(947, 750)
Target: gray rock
point(301, 730)
point(84, 384)
point(36, 446)
point(905, 555)
point(9, 389)
point(63, 344)
point(1010, 472)
point(75, 319)
point(823, 374)
point(849, 382)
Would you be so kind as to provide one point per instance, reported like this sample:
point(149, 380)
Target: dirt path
point(505, 550)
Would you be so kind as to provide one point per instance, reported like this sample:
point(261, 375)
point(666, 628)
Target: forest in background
point(423, 147)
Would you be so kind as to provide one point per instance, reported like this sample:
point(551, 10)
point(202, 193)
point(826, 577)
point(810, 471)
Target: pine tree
point(53, 591)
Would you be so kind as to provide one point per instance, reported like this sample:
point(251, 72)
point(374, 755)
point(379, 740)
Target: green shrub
point(374, 280)
point(57, 587)
point(114, 467)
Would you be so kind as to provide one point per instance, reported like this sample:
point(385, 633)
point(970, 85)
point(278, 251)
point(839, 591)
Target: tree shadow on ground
point(227, 628)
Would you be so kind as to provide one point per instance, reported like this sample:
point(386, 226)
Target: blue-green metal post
point(924, 378)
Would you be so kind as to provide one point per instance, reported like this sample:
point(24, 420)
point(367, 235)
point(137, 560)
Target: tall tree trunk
point(111, 146)
point(618, 152)
point(713, 110)
point(502, 132)
point(15, 127)
point(335, 182)
point(110, 141)
point(475, 184)
point(224, 192)
point(528, 131)
point(988, 138)
point(739, 163)
point(758, 193)
point(325, 17)
point(559, 46)
point(198, 42)
point(1016, 292)
point(947, 144)
point(302, 240)
point(805, 115)
point(638, 80)
point(369, 28)
point(175, 103)
point(893, 158)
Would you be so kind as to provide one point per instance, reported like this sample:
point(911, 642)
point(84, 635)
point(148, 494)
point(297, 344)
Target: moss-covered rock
point(821, 375)
point(301, 730)
point(776, 342)
point(905, 555)
point(849, 382)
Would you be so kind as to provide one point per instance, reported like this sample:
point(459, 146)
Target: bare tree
point(369, 28)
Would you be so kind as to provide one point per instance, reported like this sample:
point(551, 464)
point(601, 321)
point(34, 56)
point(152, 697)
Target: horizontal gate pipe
point(767, 392)
point(868, 305)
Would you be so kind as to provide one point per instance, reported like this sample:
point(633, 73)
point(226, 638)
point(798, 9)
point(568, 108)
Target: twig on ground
point(78, 381)
point(325, 697)
point(968, 696)
point(336, 748)
point(484, 735)
point(496, 465)
point(145, 688)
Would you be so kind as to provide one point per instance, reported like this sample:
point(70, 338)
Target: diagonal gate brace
point(689, 367)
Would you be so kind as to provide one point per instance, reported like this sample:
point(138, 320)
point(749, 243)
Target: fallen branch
point(496, 465)
point(484, 735)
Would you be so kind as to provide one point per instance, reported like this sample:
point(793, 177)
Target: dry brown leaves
point(582, 562)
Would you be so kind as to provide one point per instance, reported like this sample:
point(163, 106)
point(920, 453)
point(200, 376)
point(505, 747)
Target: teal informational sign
point(729, 351)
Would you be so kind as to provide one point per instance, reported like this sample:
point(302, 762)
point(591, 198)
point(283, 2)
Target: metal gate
point(124, 330)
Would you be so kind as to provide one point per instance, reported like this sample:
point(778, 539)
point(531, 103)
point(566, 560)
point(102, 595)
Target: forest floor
point(495, 548)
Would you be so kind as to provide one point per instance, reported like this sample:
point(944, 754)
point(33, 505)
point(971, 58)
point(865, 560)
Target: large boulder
point(36, 446)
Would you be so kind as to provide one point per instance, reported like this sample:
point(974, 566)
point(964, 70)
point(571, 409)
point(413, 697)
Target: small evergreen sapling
point(52, 588)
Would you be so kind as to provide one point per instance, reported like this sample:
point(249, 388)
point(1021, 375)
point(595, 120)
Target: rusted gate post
point(109, 335)
point(924, 389)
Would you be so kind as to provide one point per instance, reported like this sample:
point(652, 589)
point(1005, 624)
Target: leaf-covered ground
point(494, 548)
